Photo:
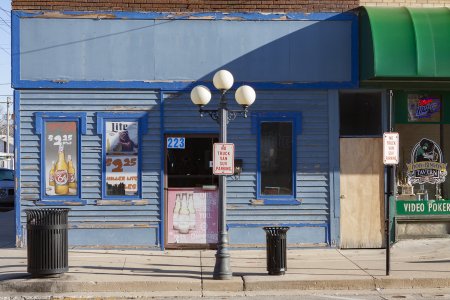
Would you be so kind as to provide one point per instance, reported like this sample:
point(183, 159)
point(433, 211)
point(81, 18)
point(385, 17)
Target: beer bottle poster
point(192, 216)
point(121, 158)
point(61, 158)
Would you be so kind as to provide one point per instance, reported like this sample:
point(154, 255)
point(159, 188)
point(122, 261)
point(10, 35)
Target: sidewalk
point(414, 264)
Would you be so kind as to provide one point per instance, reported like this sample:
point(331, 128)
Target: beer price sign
point(121, 173)
point(61, 158)
point(121, 158)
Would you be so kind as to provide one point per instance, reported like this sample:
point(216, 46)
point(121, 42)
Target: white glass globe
point(223, 80)
point(245, 95)
point(200, 95)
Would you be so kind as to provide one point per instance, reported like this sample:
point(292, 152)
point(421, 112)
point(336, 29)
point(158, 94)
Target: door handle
point(342, 197)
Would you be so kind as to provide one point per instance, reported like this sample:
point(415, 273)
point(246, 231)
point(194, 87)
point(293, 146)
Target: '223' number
point(175, 142)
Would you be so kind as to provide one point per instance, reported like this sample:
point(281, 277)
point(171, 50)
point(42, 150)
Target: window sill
point(276, 201)
point(122, 202)
point(61, 202)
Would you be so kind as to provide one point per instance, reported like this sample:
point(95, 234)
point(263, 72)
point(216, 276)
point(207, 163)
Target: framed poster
point(122, 158)
point(61, 158)
point(192, 216)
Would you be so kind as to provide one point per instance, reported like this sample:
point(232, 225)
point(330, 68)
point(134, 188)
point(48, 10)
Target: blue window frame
point(121, 154)
point(277, 148)
point(60, 156)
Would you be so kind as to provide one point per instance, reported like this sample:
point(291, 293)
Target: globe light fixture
point(223, 80)
point(200, 95)
point(245, 96)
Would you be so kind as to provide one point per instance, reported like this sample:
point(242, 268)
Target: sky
point(5, 50)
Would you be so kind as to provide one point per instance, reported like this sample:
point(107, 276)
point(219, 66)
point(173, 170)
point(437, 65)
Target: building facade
point(107, 127)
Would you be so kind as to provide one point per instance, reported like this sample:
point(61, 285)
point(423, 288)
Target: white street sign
point(223, 159)
point(391, 148)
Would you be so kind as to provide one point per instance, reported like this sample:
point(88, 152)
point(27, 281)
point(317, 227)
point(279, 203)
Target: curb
point(209, 285)
point(41, 286)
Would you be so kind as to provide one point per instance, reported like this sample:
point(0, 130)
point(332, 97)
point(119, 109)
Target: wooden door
point(362, 193)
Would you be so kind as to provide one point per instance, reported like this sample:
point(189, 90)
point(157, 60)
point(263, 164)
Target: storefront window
point(276, 160)
point(61, 154)
point(121, 159)
point(422, 126)
point(61, 158)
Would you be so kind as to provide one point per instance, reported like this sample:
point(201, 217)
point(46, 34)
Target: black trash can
point(47, 241)
point(276, 250)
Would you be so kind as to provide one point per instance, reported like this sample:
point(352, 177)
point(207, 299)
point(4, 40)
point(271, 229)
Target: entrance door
point(362, 192)
point(191, 198)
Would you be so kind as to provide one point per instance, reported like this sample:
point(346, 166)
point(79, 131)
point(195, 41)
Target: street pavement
point(415, 264)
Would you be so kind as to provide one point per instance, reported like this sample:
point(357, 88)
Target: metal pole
point(8, 99)
point(390, 189)
point(387, 221)
point(222, 266)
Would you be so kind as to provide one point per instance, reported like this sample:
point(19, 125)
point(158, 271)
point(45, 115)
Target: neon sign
point(423, 109)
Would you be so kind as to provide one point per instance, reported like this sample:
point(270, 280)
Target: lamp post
point(245, 96)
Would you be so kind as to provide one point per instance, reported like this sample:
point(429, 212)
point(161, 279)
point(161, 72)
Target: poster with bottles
point(121, 160)
point(192, 216)
point(61, 158)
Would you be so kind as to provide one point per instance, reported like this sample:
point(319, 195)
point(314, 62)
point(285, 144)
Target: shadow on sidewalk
point(138, 271)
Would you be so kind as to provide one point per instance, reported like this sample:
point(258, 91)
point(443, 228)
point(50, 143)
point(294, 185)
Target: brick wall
point(409, 3)
point(189, 5)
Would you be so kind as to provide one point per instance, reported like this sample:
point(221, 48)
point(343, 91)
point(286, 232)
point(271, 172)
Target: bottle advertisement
point(61, 158)
point(192, 216)
point(121, 158)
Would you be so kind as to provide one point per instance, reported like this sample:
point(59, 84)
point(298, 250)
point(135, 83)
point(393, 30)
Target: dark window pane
point(276, 158)
point(360, 114)
point(190, 167)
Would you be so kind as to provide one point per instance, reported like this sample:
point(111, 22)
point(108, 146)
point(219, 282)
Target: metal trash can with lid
point(47, 241)
point(276, 249)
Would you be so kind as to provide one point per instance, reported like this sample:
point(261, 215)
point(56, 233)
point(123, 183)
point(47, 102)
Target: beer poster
point(61, 158)
point(192, 216)
point(122, 158)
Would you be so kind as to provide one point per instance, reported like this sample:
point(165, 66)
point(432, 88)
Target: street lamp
point(245, 96)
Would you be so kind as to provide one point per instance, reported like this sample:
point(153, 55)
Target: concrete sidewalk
point(414, 264)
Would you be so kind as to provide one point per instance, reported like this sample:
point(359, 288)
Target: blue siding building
point(80, 76)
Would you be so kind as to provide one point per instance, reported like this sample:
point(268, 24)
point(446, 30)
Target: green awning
point(405, 43)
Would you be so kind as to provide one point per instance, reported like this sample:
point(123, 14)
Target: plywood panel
point(362, 193)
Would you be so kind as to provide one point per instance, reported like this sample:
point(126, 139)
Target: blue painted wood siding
point(92, 215)
point(180, 116)
point(312, 155)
